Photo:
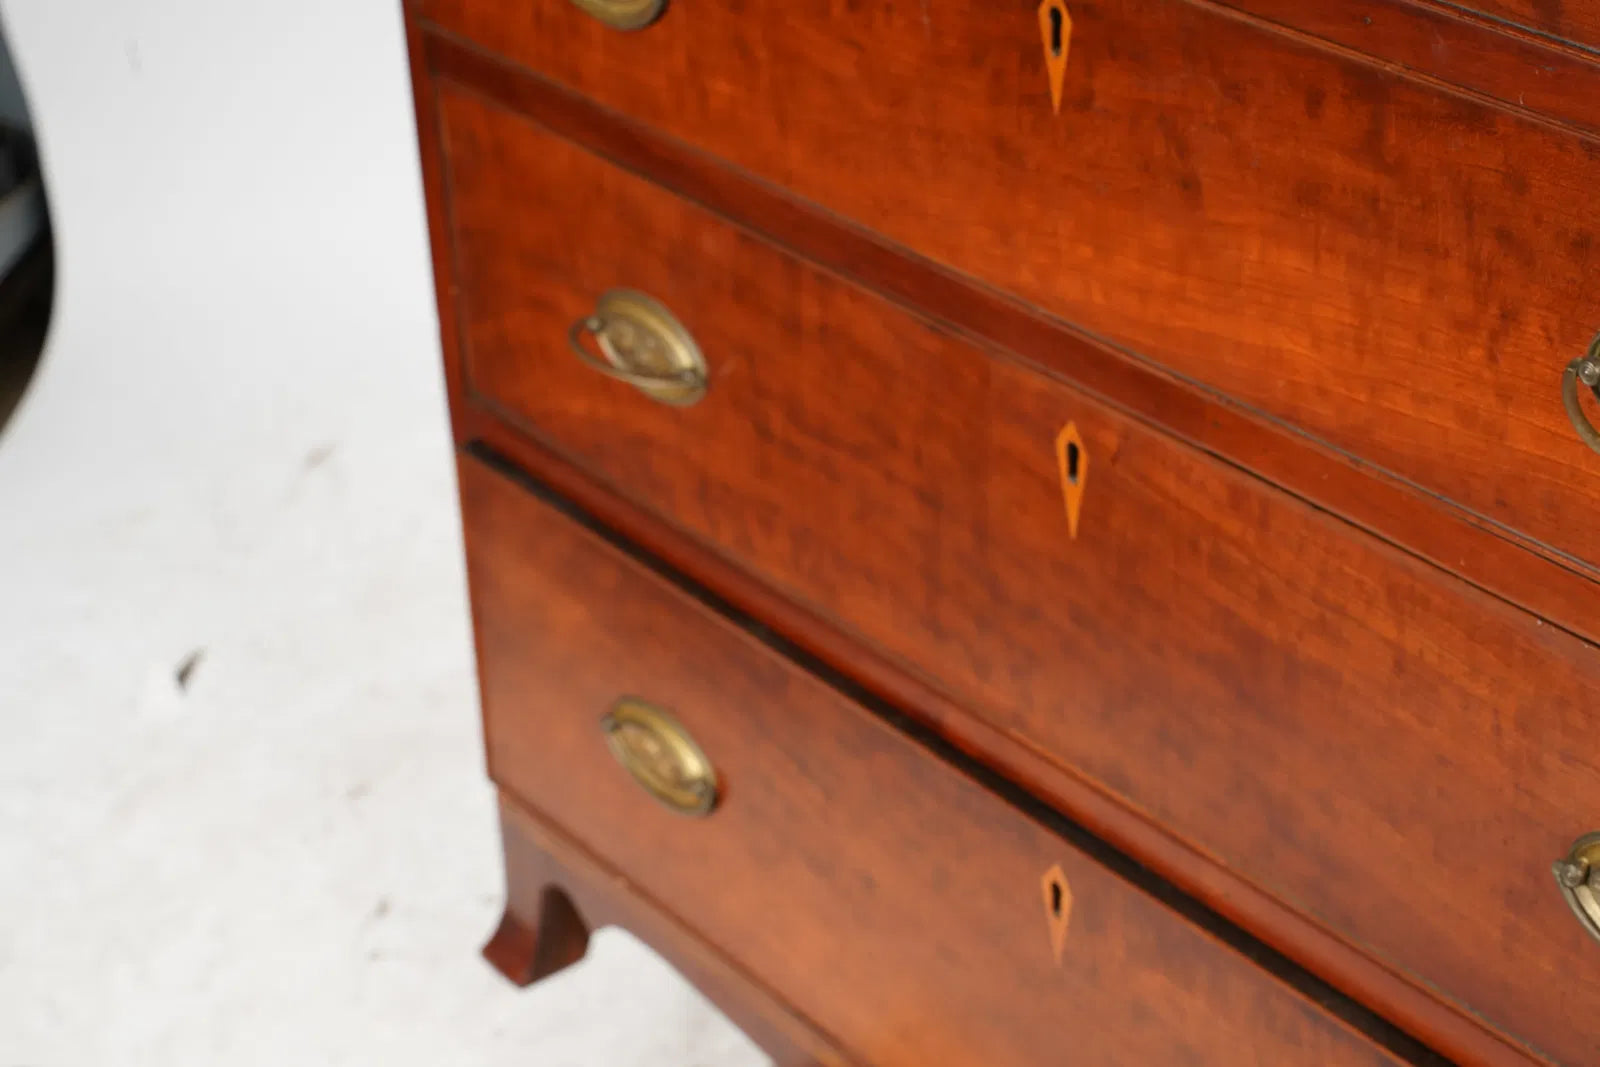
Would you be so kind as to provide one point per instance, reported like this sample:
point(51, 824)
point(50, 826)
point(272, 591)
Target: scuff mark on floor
point(186, 668)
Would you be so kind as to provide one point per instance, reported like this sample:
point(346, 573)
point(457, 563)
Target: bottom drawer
point(907, 911)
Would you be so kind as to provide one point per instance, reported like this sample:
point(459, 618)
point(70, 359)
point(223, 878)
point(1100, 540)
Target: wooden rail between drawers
point(1538, 77)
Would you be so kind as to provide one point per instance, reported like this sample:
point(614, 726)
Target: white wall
point(236, 445)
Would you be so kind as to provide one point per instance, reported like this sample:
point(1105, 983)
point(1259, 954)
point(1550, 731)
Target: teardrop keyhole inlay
point(1057, 908)
point(1073, 460)
point(1055, 28)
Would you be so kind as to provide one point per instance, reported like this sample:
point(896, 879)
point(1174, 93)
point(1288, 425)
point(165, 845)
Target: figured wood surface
point(1400, 271)
point(871, 886)
point(1445, 535)
point(1462, 50)
point(1326, 716)
point(1461, 1037)
point(1572, 20)
point(556, 888)
point(430, 155)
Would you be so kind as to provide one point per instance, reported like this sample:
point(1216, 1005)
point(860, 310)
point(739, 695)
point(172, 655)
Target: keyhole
point(1055, 31)
point(1057, 907)
point(1073, 453)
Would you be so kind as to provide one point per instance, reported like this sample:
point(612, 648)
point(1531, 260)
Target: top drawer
point(1400, 271)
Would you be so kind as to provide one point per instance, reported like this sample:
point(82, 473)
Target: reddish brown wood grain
point(433, 169)
point(1572, 20)
point(557, 890)
point(1400, 271)
point(1447, 536)
point(1317, 711)
point(1462, 1037)
point(840, 848)
point(1459, 49)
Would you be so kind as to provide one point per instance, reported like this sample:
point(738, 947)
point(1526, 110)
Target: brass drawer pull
point(1585, 371)
point(623, 14)
point(661, 756)
point(643, 345)
point(1578, 875)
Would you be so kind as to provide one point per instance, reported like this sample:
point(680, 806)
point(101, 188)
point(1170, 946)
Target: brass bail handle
point(1578, 875)
point(1584, 371)
point(623, 14)
point(659, 754)
point(641, 344)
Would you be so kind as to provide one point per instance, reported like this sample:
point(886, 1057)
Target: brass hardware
point(623, 14)
point(643, 345)
point(1055, 27)
point(1072, 458)
point(661, 756)
point(1585, 371)
point(1057, 907)
point(1578, 875)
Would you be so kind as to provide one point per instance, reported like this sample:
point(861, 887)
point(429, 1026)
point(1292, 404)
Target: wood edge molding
point(1507, 27)
point(1487, 555)
point(1410, 1005)
point(1498, 63)
point(435, 182)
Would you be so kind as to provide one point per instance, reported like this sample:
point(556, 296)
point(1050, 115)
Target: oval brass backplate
point(644, 345)
point(623, 14)
point(1583, 373)
point(661, 756)
point(1578, 875)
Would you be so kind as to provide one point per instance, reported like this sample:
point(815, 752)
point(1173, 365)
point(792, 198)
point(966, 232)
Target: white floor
point(235, 454)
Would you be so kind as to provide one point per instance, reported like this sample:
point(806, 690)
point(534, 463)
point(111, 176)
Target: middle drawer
point(1331, 719)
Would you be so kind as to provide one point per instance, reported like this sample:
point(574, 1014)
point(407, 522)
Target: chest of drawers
point(1082, 509)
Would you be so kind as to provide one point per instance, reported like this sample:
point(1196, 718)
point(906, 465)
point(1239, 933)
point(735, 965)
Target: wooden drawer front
point(1400, 271)
point(1330, 718)
point(892, 900)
